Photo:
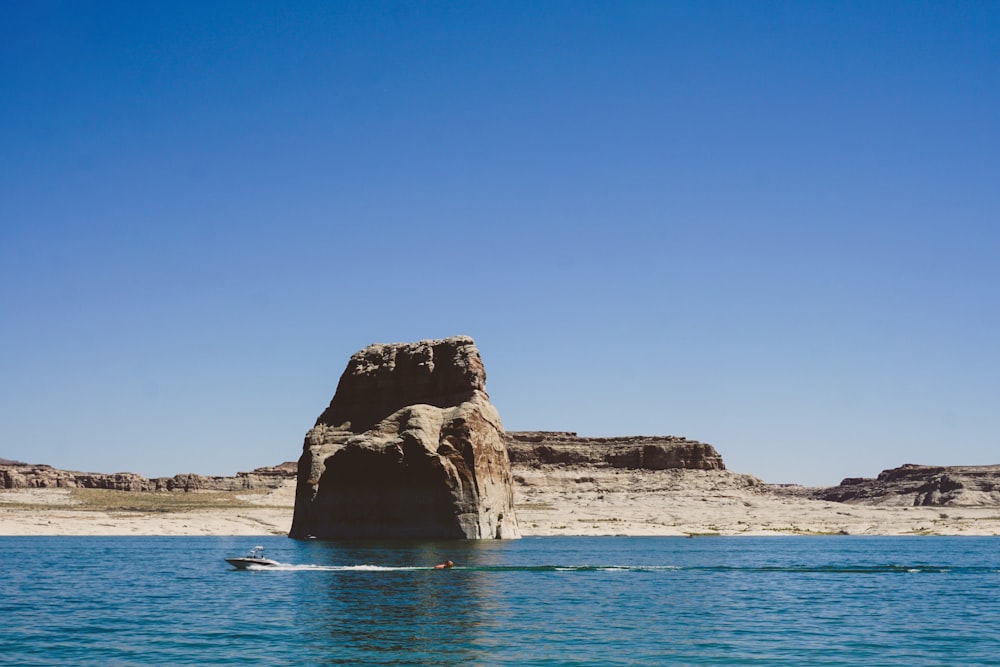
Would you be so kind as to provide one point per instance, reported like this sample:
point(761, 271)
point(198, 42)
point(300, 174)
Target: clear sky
point(769, 226)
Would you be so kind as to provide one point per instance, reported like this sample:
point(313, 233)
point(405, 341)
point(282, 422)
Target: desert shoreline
point(541, 512)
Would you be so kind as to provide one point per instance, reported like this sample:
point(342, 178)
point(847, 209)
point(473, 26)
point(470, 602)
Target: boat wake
point(484, 568)
point(823, 569)
point(340, 568)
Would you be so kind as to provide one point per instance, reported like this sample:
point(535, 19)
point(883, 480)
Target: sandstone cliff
point(920, 485)
point(410, 446)
point(34, 476)
point(669, 452)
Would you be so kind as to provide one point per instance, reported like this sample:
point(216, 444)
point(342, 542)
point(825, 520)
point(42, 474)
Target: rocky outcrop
point(409, 447)
point(269, 477)
point(30, 476)
point(920, 485)
point(535, 448)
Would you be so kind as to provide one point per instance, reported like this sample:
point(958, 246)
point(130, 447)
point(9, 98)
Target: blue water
point(537, 601)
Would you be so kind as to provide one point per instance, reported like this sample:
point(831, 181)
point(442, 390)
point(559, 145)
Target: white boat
point(253, 559)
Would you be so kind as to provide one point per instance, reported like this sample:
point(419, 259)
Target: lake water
point(537, 601)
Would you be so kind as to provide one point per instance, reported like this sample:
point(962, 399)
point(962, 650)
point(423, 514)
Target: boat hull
point(245, 563)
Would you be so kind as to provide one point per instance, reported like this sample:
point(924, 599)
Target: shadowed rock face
point(409, 447)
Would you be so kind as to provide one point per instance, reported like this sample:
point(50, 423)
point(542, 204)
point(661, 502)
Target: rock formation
point(534, 448)
point(409, 447)
point(920, 485)
point(32, 476)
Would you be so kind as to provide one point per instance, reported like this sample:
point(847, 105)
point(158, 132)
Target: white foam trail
point(336, 568)
point(288, 567)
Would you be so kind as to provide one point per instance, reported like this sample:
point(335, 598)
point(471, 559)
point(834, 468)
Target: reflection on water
point(413, 611)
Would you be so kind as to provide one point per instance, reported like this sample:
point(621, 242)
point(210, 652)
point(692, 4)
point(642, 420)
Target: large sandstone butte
point(409, 447)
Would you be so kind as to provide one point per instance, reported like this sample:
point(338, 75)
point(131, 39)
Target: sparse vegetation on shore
point(104, 500)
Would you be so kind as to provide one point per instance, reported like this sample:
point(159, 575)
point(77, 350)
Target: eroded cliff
point(16, 475)
point(921, 485)
point(409, 447)
point(636, 452)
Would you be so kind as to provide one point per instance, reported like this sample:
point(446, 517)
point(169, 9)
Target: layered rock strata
point(409, 447)
point(921, 485)
point(34, 476)
point(533, 448)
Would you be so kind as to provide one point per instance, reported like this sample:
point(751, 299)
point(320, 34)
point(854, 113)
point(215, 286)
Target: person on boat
point(444, 566)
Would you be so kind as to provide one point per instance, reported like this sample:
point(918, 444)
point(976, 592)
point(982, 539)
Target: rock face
point(30, 476)
point(920, 485)
point(409, 447)
point(534, 448)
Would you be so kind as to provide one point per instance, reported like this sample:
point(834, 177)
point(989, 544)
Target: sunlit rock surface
point(409, 447)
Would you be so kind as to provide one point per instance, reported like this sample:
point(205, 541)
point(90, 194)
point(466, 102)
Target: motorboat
point(255, 558)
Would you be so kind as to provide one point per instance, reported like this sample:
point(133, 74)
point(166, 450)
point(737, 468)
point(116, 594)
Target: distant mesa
point(17, 475)
point(668, 452)
point(921, 485)
point(409, 447)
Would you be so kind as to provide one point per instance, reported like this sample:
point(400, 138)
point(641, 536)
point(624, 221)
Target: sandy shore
point(618, 504)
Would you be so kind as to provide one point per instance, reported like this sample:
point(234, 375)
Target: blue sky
point(770, 226)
